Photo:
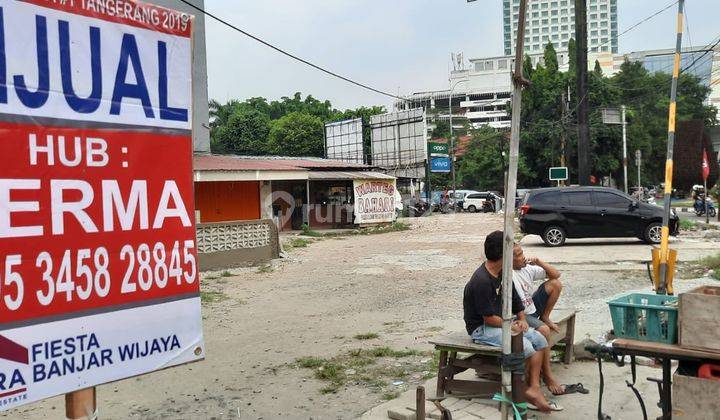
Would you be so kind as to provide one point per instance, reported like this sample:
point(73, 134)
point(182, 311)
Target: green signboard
point(438, 149)
point(559, 173)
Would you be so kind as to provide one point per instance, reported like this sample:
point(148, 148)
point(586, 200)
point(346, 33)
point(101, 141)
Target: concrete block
point(457, 404)
point(401, 414)
point(481, 410)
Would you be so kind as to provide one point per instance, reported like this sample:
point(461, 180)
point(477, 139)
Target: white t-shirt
point(523, 280)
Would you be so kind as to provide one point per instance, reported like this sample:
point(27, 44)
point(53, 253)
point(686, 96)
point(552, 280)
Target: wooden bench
point(485, 360)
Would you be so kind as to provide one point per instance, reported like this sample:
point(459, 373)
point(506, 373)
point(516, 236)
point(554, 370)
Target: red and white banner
point(705, 165)
point(98, 268)
point(374, 201)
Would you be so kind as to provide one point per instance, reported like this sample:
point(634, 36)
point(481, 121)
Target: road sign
point(440, 164)
point(611, 116)
point(559, 173)
point(638, 157)
point(98, 256)
point(438, 149)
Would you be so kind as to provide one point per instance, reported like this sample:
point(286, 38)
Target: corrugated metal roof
point(267, 163)
point(340, 175)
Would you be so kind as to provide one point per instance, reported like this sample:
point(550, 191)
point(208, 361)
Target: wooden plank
point(570, 341)
point(483, 388)
point(695, 398)
point(442, 363)
point(656, 349)
point(699, 312)
point(561, 315)
point(460, 341)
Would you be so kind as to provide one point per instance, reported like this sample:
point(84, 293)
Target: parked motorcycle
point(700, 207)
point(418, 208)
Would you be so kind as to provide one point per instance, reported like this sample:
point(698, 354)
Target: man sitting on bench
point(538, 302)
point(482, 307)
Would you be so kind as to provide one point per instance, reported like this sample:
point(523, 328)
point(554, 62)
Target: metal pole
point(639, 163)
point(625, 159)
point(508, 228)
point(664, 244)
point(582, 92)
point(452, 142)
point(707, 216)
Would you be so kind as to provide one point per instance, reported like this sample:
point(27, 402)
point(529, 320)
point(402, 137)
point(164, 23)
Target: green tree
point(646, 98)
point(243, 127)
point(483, 165)
point(572, 59)
point(244, 132)
point(441, 130)
point(297, 134)
point(597, 69)
point(550, 58)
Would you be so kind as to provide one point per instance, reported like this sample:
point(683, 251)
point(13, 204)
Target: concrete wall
point(201, 130)
point(234, 244)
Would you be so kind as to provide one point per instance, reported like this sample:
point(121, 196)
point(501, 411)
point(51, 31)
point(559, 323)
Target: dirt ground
point(398, 288)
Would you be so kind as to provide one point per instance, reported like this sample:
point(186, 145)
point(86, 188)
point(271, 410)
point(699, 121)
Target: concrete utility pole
point(508, 229)
point(581, 53)
point(638, 162)
point(625, 160)
point(564, 110)
point(664, 242)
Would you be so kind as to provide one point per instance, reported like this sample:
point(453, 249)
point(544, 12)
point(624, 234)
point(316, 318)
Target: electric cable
point(288, 54)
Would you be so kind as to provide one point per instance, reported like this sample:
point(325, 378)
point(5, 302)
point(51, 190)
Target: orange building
point(290, 191)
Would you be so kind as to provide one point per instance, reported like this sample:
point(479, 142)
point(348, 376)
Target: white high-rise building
point(554, 21)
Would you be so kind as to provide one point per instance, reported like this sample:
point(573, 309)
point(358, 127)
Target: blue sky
point(394, 45)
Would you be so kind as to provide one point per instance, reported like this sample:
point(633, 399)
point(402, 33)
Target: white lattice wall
point(214, 237)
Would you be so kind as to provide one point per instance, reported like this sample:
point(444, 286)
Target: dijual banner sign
point(98, 268)
point(374, 201)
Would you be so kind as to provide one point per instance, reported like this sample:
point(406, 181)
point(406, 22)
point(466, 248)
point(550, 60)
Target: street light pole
point(452, 141)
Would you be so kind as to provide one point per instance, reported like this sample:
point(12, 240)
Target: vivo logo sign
point(71, 67)
point(440, 164)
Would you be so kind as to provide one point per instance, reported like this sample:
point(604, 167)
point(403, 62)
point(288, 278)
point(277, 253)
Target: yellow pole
point(662, 286)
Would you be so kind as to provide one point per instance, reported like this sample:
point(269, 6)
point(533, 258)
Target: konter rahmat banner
point(98, 269)
point(374, 201)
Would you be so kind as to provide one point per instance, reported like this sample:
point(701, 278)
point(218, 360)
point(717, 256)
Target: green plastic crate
point(646, 317)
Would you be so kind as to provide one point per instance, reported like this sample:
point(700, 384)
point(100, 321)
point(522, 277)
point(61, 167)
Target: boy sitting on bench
point(482, 307)
point(538, 302)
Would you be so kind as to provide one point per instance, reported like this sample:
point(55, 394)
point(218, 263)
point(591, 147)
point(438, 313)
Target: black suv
point(590, 212)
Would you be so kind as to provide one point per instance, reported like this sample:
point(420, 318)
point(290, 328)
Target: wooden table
point(666, 353)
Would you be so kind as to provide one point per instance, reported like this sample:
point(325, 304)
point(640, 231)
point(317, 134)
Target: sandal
point(573, 388)
point(554, 406)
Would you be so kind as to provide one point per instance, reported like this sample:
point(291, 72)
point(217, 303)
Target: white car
point(476, 202)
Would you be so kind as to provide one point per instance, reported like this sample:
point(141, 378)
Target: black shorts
point(540, 299)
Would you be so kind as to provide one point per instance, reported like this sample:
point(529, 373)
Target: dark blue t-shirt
point(483, 297)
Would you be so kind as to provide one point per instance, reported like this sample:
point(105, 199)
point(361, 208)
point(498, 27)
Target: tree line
point(288, 127)
point(544, 123)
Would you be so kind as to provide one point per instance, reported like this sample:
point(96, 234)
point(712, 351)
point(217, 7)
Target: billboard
point(98, 267)
point(399, 142)
point(344, 141)
point(374, 201)
point(440, 164)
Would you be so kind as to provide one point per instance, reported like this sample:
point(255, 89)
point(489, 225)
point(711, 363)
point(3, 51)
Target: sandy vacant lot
point(398, 288)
